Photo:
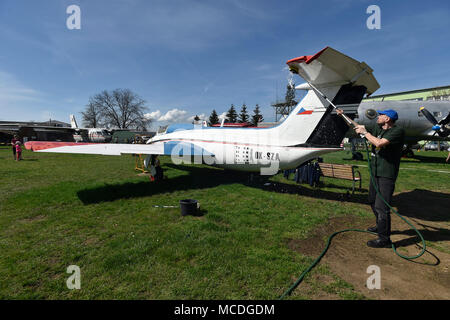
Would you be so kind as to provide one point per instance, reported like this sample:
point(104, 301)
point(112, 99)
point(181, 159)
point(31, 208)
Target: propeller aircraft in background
point(100, 135)
point(421, 120)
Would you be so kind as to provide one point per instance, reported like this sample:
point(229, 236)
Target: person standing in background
point(13, 143)
point(18, 151)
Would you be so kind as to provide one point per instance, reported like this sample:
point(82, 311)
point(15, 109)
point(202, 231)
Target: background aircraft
point(55, 132)
point(422, 120)
point(413, 117)
point(98, 135)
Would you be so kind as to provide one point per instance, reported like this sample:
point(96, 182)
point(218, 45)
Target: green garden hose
point(300, 279)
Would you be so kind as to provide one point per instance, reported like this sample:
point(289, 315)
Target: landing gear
point(150, 166)
point(155, 169)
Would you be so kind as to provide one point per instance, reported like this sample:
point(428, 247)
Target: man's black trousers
point(380, 209)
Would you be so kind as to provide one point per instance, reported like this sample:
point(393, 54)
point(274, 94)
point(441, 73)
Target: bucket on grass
point(188, 207)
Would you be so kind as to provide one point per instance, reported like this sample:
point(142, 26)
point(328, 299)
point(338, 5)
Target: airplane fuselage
point(416, 126)
point(247, 149)
point(95, 135)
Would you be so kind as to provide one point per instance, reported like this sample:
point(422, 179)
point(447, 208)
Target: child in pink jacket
point(18, 151)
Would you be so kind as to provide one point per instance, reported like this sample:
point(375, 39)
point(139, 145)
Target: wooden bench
point(341, 171)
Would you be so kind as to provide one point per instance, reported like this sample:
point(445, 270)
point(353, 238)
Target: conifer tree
point(213, 118)
point(243, 116)
point(257, 116)
point(232, 115)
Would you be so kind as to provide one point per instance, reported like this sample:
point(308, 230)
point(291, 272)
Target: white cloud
point(153, 115)
point(201, 116)
point(172, 116)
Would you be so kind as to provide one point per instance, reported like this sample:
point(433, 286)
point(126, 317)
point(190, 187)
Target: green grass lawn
point(58, 210)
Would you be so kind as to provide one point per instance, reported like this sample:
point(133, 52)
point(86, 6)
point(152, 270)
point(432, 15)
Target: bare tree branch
point(121, 109)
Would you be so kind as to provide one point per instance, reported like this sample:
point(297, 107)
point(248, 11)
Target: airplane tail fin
point(343, 80)
point(73, 122)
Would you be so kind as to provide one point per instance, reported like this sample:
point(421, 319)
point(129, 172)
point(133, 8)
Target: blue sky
point(189, 57)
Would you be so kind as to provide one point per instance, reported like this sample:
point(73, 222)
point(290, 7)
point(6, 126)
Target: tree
point(121, 108)
point(257, 116)
point(243, 116)
point(92, 115)
point(213, 118)
point(231, 114)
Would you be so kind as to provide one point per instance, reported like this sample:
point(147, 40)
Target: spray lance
point(347, 120)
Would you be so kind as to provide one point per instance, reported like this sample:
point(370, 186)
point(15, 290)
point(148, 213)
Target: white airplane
point(100, 135)
point(312, 129)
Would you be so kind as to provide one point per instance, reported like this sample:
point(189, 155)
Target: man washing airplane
point(387, 141)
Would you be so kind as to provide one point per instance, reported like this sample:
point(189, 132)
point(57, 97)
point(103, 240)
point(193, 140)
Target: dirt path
point(427, 277)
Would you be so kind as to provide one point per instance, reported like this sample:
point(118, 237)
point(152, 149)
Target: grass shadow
point(423, 204)
point(198, 178)
point(429, 159)
point(202, 178)
point(316, 192)
point(200, 213)
point(438, 234)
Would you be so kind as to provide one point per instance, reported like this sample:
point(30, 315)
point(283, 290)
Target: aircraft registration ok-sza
point(312, 129)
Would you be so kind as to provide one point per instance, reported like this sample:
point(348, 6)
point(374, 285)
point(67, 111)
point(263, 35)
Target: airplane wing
point(116, 149)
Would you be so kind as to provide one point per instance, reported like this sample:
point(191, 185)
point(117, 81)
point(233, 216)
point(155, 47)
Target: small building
point(52, 130)
point(429, 94)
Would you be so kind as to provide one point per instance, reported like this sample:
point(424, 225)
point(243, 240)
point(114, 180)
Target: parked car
point(433, 145)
